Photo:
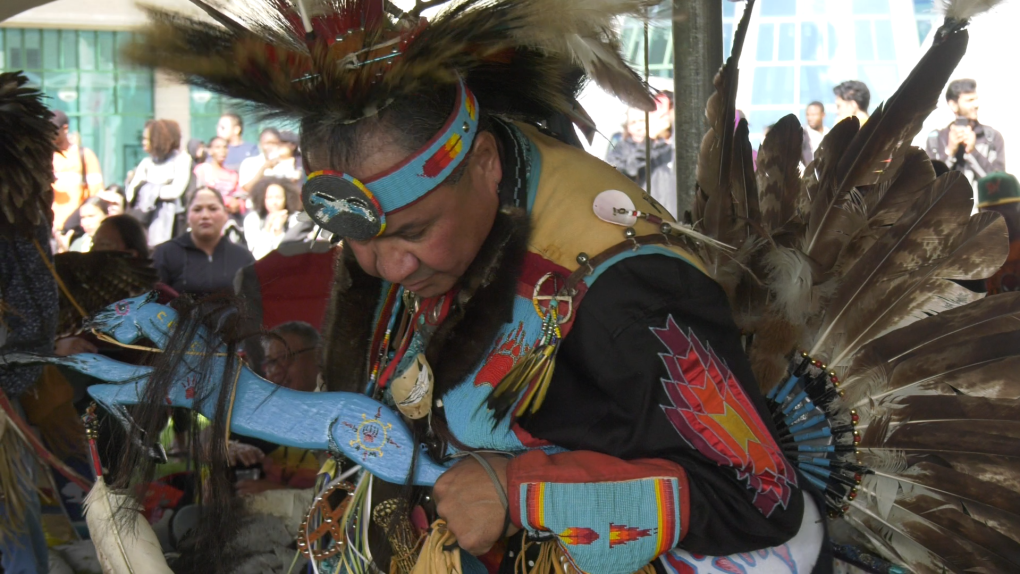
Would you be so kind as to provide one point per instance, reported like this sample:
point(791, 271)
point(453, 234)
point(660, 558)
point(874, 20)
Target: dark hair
point(301, 329)
point(102, 204)
point(214, 138)
point(116, 188)
point(273, 131)
point(164, 138)
point(193, 145)
point(59, 119)
point(959, 87)
point(191, 198)
point(234, 118)
point(856, 91)
point(408, 122)
point(291, 191)
point(131, 233)
point(818, 104)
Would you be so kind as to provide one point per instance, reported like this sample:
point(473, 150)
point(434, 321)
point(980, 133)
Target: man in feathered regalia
point(576, 374)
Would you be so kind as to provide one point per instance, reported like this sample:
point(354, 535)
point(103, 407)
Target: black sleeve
point(612, 393)
point(161, 262)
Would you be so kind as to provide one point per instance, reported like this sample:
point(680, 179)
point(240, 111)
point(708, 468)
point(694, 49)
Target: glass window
point(884, 39)
point(13, 48)
point(810, 42)
point(815, 84)
point(105, 47)
point(134, 93)
point(862, 38)
point(87, 50)
point(32, 49)
point(882, 80)
point(727, 40)
point(96, 93)
point(923, 28)
point(773, 85)
point(871, 6)
point(779, 8)
point(786, 40)
point(833, 41)
point(729, 9)
point(62, 88)
point(3, 50)
point(51, 49)
point(766, 42)
point(68, 49)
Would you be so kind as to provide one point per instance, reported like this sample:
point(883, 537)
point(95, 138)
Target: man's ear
point(954, 106)
point(485, 156)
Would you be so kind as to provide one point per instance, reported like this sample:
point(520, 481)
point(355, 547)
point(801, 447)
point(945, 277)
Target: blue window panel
point(810, 42)
point(870, 7)
point(923, 28)
point(727, 39)
point(882, 80)
point(13, 48)
point(729, 9)
point(3, 51)
point(51, 49)
point(862, 38)
point(62, 88)
point(105, 51)
point(766, 42)
point(96, 93)
point(779, 8)
point(134, 93)
point(815, 84)
point(68, 50)
point(833, 41)
point(87, 50)
point(773, 85)
point(884, 39)
point(786, 42)
point(32, 49)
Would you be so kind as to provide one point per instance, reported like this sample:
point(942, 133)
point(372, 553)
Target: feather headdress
point(901, 409)
point(344, 59)
point(26, 157)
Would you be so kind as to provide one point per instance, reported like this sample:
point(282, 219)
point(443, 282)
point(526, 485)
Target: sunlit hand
point(969, 138)
point(239, 453)
point(467, 499)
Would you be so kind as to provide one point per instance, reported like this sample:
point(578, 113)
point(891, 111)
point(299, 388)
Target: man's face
point(429, 245)
point(61, 140)
point(966, 106)
point(108, 239)
point(636, 124)
point(226, 128)
point(291, 362)
point(268, 144)
point(815, 117)
point(845, 108)
point(206, 216)
point(218, 150)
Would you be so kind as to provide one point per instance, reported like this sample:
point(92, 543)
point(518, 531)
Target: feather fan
point(879, 147)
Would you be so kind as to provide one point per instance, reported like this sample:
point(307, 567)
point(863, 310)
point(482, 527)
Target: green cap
point(996, 189)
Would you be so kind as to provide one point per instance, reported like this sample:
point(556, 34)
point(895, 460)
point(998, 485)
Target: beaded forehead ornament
point(345, 206)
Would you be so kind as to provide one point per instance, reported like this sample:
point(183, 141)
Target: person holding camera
point(967, 145)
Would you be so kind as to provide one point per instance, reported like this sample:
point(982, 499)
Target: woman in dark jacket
point(201, 261)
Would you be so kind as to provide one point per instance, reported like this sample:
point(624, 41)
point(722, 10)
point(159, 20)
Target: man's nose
point(394, 264)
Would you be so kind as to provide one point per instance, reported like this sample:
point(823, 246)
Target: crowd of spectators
point(966, 145)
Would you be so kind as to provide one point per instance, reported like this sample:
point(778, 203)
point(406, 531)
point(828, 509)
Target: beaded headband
point(349, 208)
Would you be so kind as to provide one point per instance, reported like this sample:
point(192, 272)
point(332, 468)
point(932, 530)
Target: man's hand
point(467, 499)
point(955, 139)
point(243, 454)
point(257, 486)
point(969, 138)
